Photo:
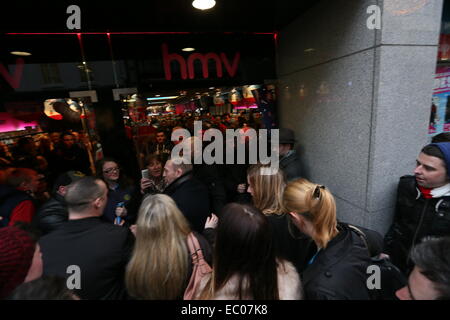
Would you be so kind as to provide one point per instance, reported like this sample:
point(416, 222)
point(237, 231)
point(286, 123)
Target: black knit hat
point(67, 178)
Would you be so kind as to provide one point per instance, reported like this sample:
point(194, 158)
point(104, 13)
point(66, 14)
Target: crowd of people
point(101, 235)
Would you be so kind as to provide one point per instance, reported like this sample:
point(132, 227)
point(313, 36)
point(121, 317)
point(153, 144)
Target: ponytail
point(316, 204)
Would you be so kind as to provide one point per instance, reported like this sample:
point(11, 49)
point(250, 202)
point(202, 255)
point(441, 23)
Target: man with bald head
point(190, 195)
point(85, 247)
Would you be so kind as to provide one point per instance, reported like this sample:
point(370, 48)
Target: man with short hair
point(289, 161)
point(430, 278)
point(54, 212)
point(190, 195)
point(16, 196)
point(162, 146)
point(423, 205)
point(96, 250)
point(70, 156)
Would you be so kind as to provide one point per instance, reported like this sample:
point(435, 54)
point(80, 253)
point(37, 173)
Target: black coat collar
point(178, 182)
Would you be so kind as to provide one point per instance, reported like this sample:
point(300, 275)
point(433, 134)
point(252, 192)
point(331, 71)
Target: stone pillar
point(359, 99)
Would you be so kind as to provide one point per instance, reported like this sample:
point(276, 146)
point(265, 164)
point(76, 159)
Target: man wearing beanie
point(20, 259)
point(423, 205)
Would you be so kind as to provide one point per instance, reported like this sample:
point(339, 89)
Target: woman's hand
point(145, 183)
point(211, 222)
point(242, 188)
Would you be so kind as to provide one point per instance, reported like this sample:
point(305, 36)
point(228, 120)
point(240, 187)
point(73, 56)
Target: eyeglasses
point(110, 170)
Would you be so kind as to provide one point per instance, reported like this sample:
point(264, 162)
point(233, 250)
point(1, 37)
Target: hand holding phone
point(120, 208)
point(145, 174)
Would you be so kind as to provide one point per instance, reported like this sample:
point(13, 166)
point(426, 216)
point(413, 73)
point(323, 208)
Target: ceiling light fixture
point(203, 4)
point(188, 49)
point(162, 98)
point(20, 53)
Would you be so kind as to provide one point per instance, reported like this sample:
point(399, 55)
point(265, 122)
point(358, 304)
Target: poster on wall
point(440, 106)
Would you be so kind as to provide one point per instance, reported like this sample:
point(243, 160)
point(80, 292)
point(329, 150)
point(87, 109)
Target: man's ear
point(62, 190)
point(98, 202)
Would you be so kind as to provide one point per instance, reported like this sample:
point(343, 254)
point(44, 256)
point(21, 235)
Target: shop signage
point(13, 80)
point(187, 68)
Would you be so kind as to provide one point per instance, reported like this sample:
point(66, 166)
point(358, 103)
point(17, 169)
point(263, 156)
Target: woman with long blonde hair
point(160, 266)
point(266, 188)
point(338, 269)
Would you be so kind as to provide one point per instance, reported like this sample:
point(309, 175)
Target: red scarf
point(426, 192)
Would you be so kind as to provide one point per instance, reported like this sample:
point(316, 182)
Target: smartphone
point(145, 174)
point(118, 218)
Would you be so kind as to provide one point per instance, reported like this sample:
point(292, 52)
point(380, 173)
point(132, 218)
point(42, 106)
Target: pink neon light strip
point(69, 33)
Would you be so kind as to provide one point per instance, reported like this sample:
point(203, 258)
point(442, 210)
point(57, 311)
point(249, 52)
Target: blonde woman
point(338, 269)
point(267, 195)
point(160, 266)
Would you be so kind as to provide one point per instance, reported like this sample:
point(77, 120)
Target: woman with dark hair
point(245, 265)
point(155, 182)
point(123, 199)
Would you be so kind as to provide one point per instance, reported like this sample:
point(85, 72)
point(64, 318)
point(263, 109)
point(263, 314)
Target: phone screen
point(145, 174)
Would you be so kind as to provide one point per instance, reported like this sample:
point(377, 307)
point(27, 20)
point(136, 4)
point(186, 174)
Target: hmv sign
point(186, 65)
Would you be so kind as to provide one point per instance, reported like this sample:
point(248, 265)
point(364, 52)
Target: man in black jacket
point(423, 205)
point(190, 195)
point(54, 212)
point(92, 254)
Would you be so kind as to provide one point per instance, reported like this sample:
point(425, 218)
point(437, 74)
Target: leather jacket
point(52, 214)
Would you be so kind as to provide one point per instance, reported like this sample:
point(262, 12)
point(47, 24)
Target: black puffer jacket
point(339, 271)
point(415, 218)
point(52, 214)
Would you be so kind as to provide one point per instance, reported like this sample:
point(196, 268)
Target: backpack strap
point(362, 235)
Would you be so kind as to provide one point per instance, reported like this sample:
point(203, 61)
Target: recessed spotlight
point(188, 49)
point(203, 4)
point(157, 95)
point(211, 88)
point(20, 53)
point(310, 50)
